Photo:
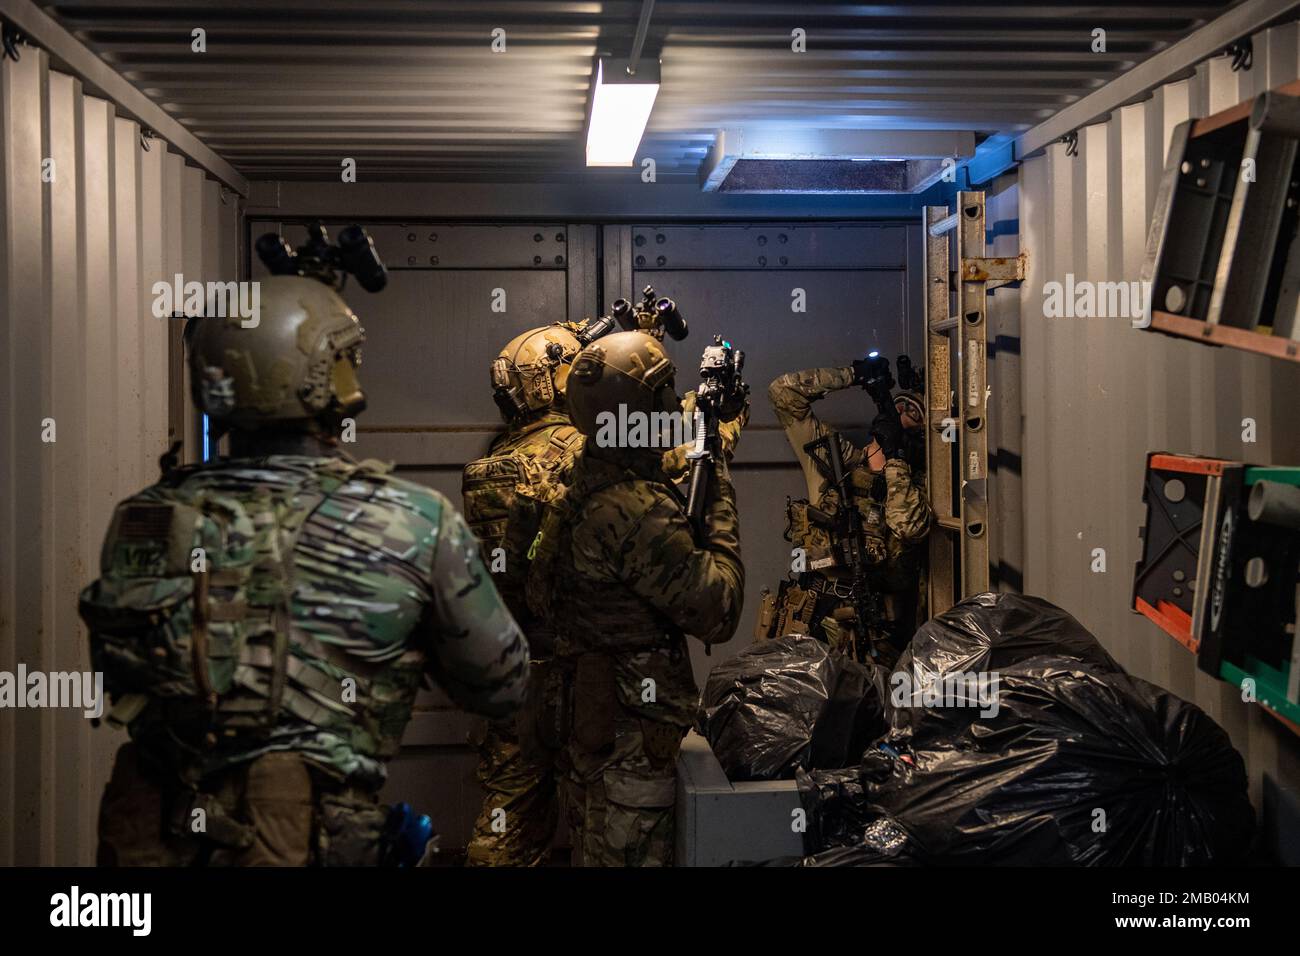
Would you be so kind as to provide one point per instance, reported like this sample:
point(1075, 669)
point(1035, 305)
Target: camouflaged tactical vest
point(821, 552)
point(504, 498)
point(589, 614)
point(253, 605)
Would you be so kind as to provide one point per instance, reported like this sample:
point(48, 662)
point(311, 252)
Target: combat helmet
point(294, 368)
point(910, 405)
point(623, 373)
point(530, 374)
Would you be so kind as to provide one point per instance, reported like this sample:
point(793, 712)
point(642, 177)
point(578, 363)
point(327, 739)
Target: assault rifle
point(721, 389)
point(847, 537)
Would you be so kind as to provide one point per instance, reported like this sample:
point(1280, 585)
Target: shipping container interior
point(146, 142)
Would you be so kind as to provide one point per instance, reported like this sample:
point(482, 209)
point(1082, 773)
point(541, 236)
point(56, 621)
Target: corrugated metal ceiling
point(412, 89)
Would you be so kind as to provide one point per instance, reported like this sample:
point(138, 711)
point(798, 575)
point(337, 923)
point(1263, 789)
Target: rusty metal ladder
point(956, 376)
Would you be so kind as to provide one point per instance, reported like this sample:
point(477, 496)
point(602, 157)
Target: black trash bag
point(989, 632)
point(1078, 766)
point(854, 717)
point(789, 703)
point(761, 706)
point(838, 808)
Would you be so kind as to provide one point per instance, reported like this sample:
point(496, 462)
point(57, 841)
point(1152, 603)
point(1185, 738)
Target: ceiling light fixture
point(620, 108)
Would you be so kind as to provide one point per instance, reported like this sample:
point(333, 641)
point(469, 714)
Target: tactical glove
point(861, 372)
point(888, 433)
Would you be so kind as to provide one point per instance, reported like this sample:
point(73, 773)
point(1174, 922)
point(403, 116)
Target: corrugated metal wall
point(1006, 487)
point(78, 257)
point(1098, 394)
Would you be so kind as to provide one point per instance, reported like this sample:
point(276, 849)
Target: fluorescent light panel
point(620, 109)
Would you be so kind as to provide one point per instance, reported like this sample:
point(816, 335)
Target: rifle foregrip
point(698, 487)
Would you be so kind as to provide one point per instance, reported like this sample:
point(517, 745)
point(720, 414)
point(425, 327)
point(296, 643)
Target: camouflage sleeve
point(907, 511)
point(701, 589)
point(792, 396)
point(730, 431)
point(479, 655)
point(674, 463)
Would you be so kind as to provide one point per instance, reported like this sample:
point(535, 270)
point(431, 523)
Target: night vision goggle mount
point(654, 314)
point(318, 258)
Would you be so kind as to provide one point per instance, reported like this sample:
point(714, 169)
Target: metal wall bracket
point(996, 272)
point(1242, 53)
point(11, 39)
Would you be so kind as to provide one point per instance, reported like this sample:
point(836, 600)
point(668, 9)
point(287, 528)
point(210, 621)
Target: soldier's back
point(362, 582)
point(264, 625)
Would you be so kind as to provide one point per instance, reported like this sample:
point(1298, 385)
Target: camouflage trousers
point(270, 812)
point(517, 823)
point(619, 798)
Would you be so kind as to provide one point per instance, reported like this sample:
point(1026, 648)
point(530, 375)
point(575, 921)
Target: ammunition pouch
point(802, 531)
point(661, 741)
point(349, 829)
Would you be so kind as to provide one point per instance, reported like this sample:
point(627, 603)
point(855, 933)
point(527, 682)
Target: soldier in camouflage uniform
point(265, 620)
point(623, 581)
point(895, 520)
point(528, 464)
